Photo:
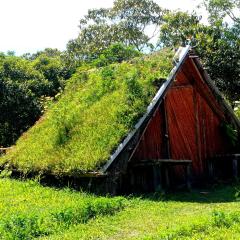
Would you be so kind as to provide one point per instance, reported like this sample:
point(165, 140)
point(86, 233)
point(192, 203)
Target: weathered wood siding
point(152, 140)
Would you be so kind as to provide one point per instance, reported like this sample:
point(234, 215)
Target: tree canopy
point(219, 9)
point(127, 22)
point(217, 44)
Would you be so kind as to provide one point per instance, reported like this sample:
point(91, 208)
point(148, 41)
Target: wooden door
point(182, 125)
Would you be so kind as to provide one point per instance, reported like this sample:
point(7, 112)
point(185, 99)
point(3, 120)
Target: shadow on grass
point(215, 193)
point(221, 193)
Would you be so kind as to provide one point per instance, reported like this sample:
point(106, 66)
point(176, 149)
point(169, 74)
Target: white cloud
point(31, 25)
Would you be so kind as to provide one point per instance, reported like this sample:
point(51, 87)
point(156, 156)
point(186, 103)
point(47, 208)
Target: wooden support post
point(132, 179)
point(188, 176)
point(235, 168)
point(157, 178)
point(167, 176)
point(167, 142)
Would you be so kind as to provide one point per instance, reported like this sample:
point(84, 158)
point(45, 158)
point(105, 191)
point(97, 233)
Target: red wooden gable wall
point(187, 125)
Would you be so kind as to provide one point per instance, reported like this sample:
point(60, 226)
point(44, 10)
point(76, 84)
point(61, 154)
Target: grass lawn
point(196, 215)
point(28, 211)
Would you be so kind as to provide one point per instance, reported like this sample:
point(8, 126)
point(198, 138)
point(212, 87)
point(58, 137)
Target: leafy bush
point(20, 89)
point(115, 53)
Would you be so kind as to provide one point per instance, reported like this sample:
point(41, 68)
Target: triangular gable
point(180, 58)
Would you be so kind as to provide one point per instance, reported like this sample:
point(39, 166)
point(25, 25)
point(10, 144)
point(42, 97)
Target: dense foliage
point(30, 82)
point(115, 53)
point(95, 112)
point(21, 87)
point(26, 84)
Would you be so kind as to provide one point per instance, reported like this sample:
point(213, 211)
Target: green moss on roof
point(96, 111)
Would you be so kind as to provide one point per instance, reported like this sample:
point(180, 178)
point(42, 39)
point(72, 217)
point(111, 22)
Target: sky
point(33, 25)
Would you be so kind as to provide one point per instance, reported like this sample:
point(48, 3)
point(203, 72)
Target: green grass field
point(30, 211)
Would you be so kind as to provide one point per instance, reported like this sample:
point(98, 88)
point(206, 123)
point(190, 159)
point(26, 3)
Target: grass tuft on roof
point(96, 111)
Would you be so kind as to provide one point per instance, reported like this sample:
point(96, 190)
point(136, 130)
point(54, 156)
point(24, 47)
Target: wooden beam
point(182, 86)
point(80, 174)
point(192, 56)
point(156, 162)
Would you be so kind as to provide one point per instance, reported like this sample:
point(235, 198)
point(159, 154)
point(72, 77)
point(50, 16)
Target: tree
point(126, 22)
point(224, 17)
point(21, 87)
point(19, 109)
point(53, 70)
point(178, 28)
point(22, 72)
point(220, 50)
point(217, 45)
point(55, 67)
point(219, 9)
point(49, 52)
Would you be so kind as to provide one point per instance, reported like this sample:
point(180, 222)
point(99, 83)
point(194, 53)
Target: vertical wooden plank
point(189, 176)
point(167, 152)
point(151, 143)
point(157, 181)
point(166, 168)
point(197, 130)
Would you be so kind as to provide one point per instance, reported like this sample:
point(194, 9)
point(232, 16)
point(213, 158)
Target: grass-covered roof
point(96, 111)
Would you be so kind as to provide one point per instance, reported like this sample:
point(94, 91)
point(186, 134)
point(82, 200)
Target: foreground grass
point(28, 210)
point(214, 215)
